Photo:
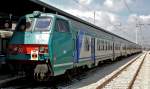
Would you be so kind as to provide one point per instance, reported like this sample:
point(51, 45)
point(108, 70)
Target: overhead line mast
point(137, 24)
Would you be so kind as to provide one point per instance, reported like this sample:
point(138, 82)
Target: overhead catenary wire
point(87, 8)
point(125, 3)
point(138, 24)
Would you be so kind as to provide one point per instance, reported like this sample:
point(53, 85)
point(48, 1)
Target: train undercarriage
point(39, 71)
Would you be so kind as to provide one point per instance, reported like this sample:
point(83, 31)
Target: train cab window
point(42, 24)
point(24, 25)
point(62, 25)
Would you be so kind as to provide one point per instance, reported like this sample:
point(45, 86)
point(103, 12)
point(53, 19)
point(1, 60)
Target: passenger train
point(46, 44)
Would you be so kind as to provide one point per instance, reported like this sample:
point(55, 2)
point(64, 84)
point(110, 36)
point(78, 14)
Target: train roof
point(58, 11)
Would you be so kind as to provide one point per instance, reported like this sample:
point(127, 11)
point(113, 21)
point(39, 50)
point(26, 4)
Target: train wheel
point(67, 76)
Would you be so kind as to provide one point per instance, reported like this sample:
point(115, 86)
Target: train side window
point(111, 45)
point(108, 45)
point(115, 46)
point(86, 44)
point(101, 45)
point(105, 44)
point(98, 45)
point(62, 25)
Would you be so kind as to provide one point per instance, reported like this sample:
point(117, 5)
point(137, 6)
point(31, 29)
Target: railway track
point(126, 76)
point(8, 80)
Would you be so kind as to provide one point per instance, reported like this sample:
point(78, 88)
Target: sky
point(125, 18)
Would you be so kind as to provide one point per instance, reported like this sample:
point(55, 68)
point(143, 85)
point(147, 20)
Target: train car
point(4, 39)
point(45, 44)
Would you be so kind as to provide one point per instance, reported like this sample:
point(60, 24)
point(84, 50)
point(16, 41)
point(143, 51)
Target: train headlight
point(36, 13)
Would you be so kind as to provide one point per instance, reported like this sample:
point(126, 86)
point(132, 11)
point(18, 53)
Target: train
point(4, 39)
point(46, 44)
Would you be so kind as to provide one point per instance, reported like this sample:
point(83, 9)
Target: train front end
point(29, 47)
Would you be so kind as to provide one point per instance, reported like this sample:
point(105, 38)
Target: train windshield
point(25, 24)
point(41, 24)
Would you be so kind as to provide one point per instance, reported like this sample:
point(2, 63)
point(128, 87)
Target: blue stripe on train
point(78, 45)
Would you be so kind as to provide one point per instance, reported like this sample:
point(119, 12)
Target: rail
point(103, 84)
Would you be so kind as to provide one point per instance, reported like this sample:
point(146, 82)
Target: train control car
point(45, 44)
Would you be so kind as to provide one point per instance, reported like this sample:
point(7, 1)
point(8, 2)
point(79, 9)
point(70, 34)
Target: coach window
point(119, 46)
point(98, 45)
point(101, 45)
point(108, 45)
point(62, 25)
point(105, 43)
point(86, 44)
point(115, 46)
point(111, 46)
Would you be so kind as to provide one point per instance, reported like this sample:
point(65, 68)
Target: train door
point(93, 49)
point(62, 42)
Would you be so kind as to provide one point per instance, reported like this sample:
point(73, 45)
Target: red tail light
point(43, 49)
point(27, 48)
point(12, 49)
